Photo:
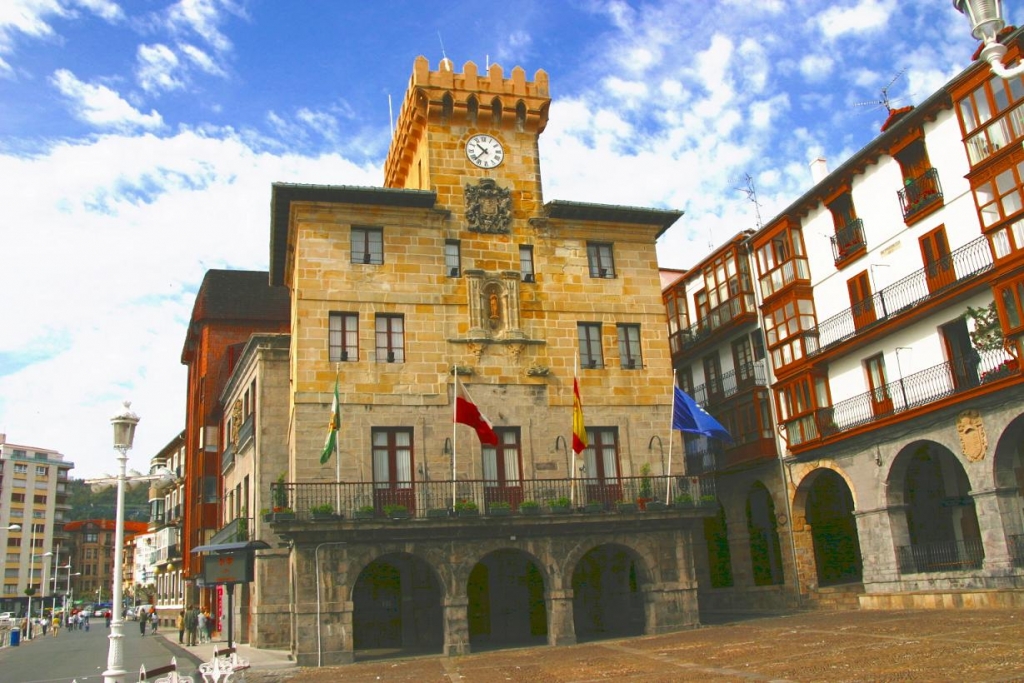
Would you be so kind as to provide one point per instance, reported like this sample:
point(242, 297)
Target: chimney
point(819, 170)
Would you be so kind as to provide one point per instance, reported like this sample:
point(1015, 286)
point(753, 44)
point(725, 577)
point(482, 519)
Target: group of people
point(147, 615)
point(196, 624)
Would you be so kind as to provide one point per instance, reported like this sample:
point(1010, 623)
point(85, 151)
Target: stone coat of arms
point(488, 207)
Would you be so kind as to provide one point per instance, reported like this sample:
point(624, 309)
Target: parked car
point(6, 618)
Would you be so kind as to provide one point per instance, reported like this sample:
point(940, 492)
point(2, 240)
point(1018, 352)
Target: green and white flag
point(331, 444)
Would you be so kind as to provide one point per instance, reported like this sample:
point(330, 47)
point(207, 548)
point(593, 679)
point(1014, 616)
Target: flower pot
point(469, 513)
point(399, 514)
point(626, 507)
point(529, 510)
point(437, 513)
point(560, 509)
point(363, 514)
point(656, 506)
point(499, 512)
point(323, 516)
point(282, 517)
point(593, 508)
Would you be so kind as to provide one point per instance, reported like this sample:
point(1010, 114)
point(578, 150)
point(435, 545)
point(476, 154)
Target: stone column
point(668, 607)
point(561, 625)
point(880, 531)
point(456, 625)
point(998, 520)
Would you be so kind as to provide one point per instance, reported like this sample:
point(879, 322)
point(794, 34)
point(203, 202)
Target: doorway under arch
point(397, 607)
point(765, 549)
point(607, 601)
point(940, 519)
point(506, 601)
point(834, 536)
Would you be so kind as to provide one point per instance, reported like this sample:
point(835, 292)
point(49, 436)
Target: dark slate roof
point(237, 295)
point(283, 194)
point(611, 213)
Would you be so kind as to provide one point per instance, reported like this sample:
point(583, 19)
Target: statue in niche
point(494, 309)
point(488, 207)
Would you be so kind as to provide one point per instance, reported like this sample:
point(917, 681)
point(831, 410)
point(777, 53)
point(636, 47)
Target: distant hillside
point(85, 504)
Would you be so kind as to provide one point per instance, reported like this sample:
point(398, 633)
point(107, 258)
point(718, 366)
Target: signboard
point(227, 568)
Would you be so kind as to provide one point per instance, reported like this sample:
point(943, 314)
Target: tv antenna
point(444, 57)
point(885, 101)
point(752, 196)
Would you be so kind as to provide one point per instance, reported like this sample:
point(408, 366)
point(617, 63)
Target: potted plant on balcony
point(499, 508)
point(625, 506)
point(436, 513)
point(322, 513)
point(529, 507)
point(466, 508)
point(279, 494)
point(646, 488)
point(655, 505)
point(683, 500)
point(396, 511)
point(364, 512)
point(560, 505)
point(593, 507)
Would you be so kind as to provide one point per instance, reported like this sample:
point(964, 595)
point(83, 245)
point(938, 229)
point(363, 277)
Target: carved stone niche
point(494, 305)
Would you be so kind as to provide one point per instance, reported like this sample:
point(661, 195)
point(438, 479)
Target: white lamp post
point(64, 616)
point(31, 578)
point(986, 17)
point(124, 434)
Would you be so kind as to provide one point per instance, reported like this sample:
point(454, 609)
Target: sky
point(139, 140)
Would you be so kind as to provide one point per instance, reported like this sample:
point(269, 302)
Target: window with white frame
point(343, 337)
point(367, 245)
point(390, 333)
point(630, 357)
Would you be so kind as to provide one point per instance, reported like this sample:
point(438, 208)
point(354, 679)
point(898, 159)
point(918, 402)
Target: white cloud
point(203, 18)
point(31, 18)
point(866, 15)
point(156, 67)
point(201, 60)
point(105, 9)
point(816, 68)
point(102, 107)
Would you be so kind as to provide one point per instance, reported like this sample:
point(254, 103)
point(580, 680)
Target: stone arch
point(472, 109)
point(932, 514)
point(825, 500)
point(397, 604)
point(447, 107)
point(762, 527)
point(520, 116)
point(506, 600)
point(1008, 474)
point(496, 111)
point(607, 583)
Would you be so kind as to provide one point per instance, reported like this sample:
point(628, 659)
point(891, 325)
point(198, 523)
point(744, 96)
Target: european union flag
point(687, 416)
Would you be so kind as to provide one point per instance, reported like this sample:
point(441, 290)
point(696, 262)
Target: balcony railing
point(227, 458)
point(962, 265)
point(848, 240)
point(235, 531)
point(940, 557)
point(913, 391)
point(718, 317)
point(245, 431)
point(435, 498)
point(750, 375)
point(784, 275)
point(920, 193)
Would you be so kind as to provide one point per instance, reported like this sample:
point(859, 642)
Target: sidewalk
point(267, 660)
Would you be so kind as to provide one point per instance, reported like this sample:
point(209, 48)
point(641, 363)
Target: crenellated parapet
point(464, 100)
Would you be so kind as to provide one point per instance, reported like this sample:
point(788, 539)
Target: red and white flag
point(467, 413)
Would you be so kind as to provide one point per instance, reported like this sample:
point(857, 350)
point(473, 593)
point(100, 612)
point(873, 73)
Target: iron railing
point(913, 391)
point(848, 239)
point(442, 498)
point(721, 315)
point(967, 262)
point(227, 457)
point(947, 556)
point(235, 531)
point(920, 193)
point(750, 375)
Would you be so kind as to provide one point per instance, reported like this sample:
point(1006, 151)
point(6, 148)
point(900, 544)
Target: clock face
point(484, 151)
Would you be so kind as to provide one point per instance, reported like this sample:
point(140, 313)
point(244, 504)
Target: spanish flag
point(579, 430)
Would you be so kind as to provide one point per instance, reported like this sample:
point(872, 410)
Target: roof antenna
point(752, 196)
point(391, 116)
point(886, 101)
point(444, 57)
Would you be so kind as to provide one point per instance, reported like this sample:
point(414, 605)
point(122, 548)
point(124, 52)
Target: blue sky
point(139, 140)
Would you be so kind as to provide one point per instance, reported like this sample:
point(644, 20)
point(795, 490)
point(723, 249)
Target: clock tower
point(466, 136)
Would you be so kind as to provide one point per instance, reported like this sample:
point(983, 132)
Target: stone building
point(457, 276)
point(889, 297)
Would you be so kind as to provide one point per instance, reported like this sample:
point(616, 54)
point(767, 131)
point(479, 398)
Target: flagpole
point(337, 446)
point(455, 407)
point(671, 440)
point(572, 473)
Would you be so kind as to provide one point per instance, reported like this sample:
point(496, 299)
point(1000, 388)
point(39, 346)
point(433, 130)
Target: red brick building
point(92, 556)
point(230, 306)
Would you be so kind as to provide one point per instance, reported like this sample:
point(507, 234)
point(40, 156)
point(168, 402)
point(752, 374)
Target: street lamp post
point(31, 578)
point(124, 434)
point(64, 610)
point(986, 17)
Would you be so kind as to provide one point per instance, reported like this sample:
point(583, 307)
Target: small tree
point(987, 335)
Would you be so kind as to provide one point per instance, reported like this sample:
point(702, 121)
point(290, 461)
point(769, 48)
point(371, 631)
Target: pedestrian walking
point(181, 627)
point(85, 622)
point(142, 626)
point(192, 624)
point(56, 626)
point(106, 616)
point(154, 620)
point(209, 627)
point(201, 626)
